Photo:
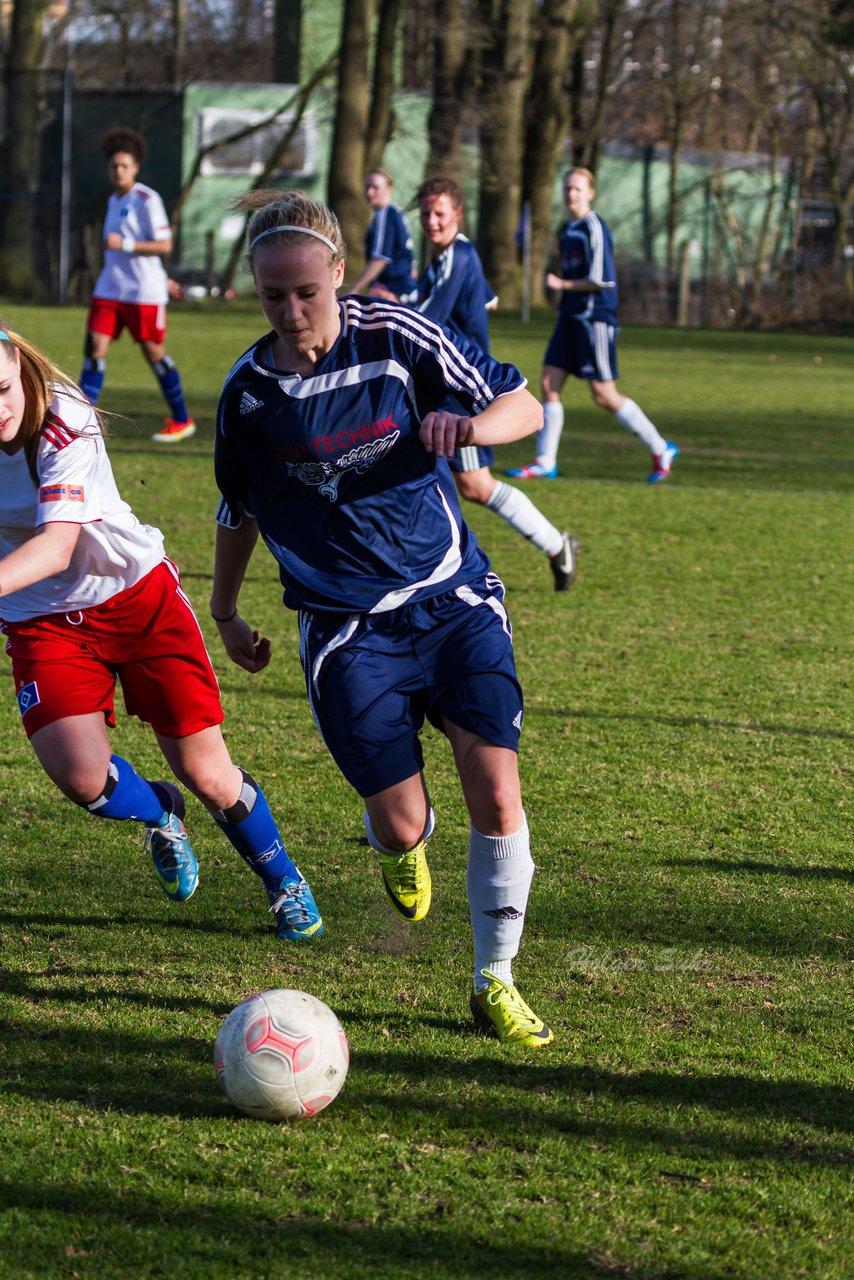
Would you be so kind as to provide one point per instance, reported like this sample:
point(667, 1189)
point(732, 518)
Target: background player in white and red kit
point(87, 595)
point(132, 290)
point(584, 342)
point(453, 291)
point(332, 438)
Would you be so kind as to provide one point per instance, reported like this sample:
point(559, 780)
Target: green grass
point(687, 764)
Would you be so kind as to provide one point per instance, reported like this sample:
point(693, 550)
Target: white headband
point(307, 231)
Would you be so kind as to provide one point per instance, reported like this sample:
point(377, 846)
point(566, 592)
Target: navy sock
point(127, 795)
point(251, 828)
point(92, 378)
point(170, 384)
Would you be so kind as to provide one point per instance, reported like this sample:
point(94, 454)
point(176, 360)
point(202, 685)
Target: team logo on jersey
point(248, 404)
point(517, 721)
point(326, 476)
point(28, 697)
point(61, 493)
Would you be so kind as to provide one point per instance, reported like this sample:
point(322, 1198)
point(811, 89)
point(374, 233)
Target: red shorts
point(147, 636)
point(145, 321)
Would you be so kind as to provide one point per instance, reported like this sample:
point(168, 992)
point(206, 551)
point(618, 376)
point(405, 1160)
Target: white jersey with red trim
point(76, 486)
point(130, 277)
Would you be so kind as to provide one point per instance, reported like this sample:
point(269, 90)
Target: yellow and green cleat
point(501, 1011)
point(406, 877)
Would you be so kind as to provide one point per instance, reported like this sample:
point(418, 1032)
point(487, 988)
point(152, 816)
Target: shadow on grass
point(519, 1103)
point(763, 868)
point(216, 1238)
point(694, 722)
point(56, 922)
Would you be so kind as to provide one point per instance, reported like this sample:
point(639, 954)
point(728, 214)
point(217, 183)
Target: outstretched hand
point(442, 433)
point(243, 645)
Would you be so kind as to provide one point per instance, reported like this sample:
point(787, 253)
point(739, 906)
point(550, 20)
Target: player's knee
point(208, 785)
point(80, 782)
point(473, 487)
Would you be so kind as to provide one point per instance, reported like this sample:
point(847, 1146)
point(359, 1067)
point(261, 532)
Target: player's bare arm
point(142, 248)
point(232, 553)
point(560, 285)
point(47, 553)
point(509, 417)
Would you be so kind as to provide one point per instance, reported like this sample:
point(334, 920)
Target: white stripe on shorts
point(601, 346)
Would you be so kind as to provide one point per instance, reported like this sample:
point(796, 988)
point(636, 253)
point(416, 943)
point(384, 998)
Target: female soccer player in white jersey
point(132, 290)
point(333, 435)
point(86, 595)
point(584, 342)
point(453, 291)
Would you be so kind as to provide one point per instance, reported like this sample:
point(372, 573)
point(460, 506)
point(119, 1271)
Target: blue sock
point(127, 795)
point(251, 828)
point(170, 384)
point(92, 378)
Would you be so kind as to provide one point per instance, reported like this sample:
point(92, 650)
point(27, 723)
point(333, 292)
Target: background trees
point(518, 89)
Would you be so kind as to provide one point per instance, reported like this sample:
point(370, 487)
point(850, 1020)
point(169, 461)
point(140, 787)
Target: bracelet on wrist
point(228, 619)
point(128, 244)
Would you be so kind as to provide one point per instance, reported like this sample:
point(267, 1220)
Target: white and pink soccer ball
point(281, 1055)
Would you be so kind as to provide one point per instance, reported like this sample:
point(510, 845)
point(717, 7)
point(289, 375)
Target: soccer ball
point(281, 1055)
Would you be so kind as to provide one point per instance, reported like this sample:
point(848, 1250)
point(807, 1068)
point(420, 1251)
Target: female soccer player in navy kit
point(332, 440)
point(584, 342)
point(87, 594)
point(453, 291)
point(389, 270)
point(132, 290)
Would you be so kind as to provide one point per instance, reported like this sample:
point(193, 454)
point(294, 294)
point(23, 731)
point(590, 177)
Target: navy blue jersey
point(360, 517)
point(389, 237)
point(587, 253)
point(454, 292)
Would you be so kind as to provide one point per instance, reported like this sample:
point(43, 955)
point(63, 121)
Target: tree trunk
point(347, 160)
point(178, 56)
point(506, 66)
point(450, 62)
point(381, 121)
point(21, 149)
point(547, 119)
point(287, 41)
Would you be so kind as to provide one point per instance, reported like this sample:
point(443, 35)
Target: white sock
point(518, 510)
point(549, 434)
point(500, 870)
point(376, 843)
point(631, 415)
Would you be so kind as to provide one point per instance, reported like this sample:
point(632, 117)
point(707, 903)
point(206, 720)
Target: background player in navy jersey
point(389, 270)
point(453, 291)
point(132, 290)
point(584, 342)
point(87, 595)
point(332, 438)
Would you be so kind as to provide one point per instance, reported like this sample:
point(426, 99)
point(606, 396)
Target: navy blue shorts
point(472, 458)
point(373, 679)
point(585, 348)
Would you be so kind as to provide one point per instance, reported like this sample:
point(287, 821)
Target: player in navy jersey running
point(389, 270)
point(87, 595)
point(584, 342)
point(132, 290)
point(332, 440)
point(454, 292)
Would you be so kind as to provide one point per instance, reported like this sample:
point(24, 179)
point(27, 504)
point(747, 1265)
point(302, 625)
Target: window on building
point(250, 155)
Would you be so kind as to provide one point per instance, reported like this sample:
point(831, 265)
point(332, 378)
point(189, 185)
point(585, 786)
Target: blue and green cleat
point(175, 863)
point(297, 916)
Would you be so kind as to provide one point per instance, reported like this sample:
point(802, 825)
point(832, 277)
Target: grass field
point(687, 766)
